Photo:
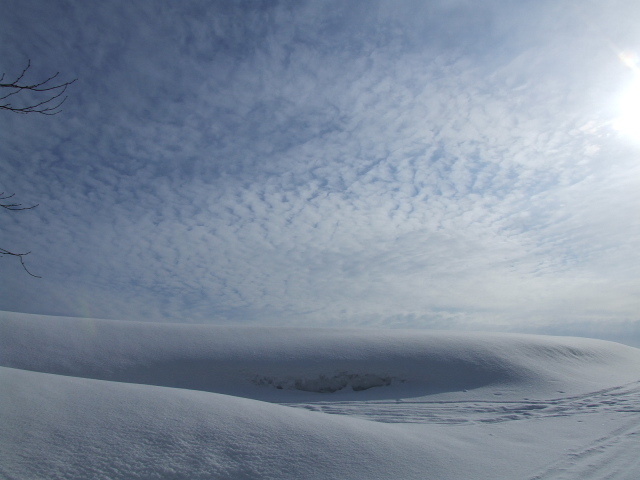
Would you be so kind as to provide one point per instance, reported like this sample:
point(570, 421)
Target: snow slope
point(84, 398)
point(70, 428)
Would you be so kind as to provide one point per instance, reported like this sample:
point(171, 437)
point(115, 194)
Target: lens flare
point(630, 59)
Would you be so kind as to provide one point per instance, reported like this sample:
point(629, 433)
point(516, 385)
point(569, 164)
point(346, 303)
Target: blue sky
point(444, 164)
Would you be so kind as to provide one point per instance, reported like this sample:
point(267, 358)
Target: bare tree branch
point(14, 206)
point(50, 105)
point(21, 257)
point(47, 103)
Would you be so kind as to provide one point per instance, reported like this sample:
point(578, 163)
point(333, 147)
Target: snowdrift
point(99, 399)
point(56, 427)
point(278, 364)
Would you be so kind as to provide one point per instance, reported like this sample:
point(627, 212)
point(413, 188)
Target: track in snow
point(623, 399)
point(612, 456)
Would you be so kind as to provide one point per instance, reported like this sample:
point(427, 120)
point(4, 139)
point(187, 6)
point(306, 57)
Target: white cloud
point(321, 166)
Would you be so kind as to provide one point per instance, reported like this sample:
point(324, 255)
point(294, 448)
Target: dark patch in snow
point(327, 383)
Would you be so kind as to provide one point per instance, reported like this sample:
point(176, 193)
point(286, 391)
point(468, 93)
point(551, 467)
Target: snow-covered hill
point(84, 398)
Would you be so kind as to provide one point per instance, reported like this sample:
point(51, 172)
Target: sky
point(444, 164)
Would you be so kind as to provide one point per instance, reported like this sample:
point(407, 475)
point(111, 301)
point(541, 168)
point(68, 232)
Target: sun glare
point(628, 121)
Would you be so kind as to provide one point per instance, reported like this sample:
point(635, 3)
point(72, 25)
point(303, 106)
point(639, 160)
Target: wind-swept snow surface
point(85, 398)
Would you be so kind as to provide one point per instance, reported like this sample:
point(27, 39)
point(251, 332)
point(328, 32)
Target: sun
point(628, 120)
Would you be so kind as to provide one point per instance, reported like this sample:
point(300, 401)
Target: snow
point(84, 398)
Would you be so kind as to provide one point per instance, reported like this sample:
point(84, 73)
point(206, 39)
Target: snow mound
point(285, 364)
point(56, 427)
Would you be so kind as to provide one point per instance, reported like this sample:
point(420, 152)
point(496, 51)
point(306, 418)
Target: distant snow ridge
point(327, 383)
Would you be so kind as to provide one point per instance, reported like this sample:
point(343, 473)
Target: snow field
point(84, 398)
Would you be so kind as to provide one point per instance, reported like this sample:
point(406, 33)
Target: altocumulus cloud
point(369, 163)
